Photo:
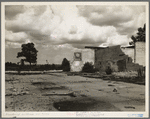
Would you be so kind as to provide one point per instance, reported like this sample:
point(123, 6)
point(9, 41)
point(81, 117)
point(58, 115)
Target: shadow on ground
point(84, 104)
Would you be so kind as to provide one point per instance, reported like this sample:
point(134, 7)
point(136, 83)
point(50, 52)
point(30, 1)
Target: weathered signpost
point(77, 63)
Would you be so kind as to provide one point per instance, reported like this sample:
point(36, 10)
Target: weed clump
point(89, 68)
point(108, 70)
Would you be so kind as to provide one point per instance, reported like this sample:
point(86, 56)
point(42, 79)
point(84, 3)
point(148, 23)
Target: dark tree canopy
point(140, 35)
point(88, 67)
point(29, 52)
point(53, 66)
point(65, 65)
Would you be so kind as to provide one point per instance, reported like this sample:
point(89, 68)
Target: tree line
point(39, 67)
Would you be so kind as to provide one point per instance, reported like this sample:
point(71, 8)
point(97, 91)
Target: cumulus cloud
point(15, 37)
point(78, 26)
point(73, 29)
point(12, 11)
point(117, 40)
point(126, 19)
point(106, 15)
point(60, 30)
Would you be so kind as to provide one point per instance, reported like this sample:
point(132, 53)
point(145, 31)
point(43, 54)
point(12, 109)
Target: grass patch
point(129, 74)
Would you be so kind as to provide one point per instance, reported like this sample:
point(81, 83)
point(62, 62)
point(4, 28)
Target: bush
point(126, 74)
point(108, 70)
point(89, 68)
point(65, 65)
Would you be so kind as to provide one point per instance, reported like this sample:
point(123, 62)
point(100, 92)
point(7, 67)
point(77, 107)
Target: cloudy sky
point(59, 31)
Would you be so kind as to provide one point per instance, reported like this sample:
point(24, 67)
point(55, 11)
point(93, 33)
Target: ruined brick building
point(116, 57)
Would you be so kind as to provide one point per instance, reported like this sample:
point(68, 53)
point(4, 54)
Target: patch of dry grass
point(127, 74)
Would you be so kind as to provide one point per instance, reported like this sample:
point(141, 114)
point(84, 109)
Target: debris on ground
point(42, 92)
point(111, 85)
point(117, 93)
point(129, 107)
point(115, 90)
point(11, 79)
point(100, 90)
point(9, 94)
point(15, 92)
point(107, 78)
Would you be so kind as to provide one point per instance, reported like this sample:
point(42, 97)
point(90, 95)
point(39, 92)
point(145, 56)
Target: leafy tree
point(88, 67)
point(140, 35)
point(65, 65)
point(108, 70)
point(29, 52)
point(10, 64)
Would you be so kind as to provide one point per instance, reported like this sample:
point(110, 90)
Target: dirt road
point(59, 92)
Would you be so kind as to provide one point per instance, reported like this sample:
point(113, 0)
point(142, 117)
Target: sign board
point(77, 56)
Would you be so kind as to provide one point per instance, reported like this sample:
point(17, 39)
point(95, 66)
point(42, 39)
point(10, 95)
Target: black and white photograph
point(75, 59)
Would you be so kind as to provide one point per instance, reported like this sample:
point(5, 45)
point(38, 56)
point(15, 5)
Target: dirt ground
point(59, 92)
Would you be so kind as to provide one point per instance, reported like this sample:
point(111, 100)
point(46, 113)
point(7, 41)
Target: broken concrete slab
point(129, 107)
point(111, 85)
point(115, 90)
point(100, 90)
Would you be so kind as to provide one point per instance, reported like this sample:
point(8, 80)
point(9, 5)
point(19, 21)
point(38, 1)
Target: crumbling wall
point(76, 66)
point(116, 58)
point(108, 57)
point(140, 53)
point(121, 65)
point(87, 56)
